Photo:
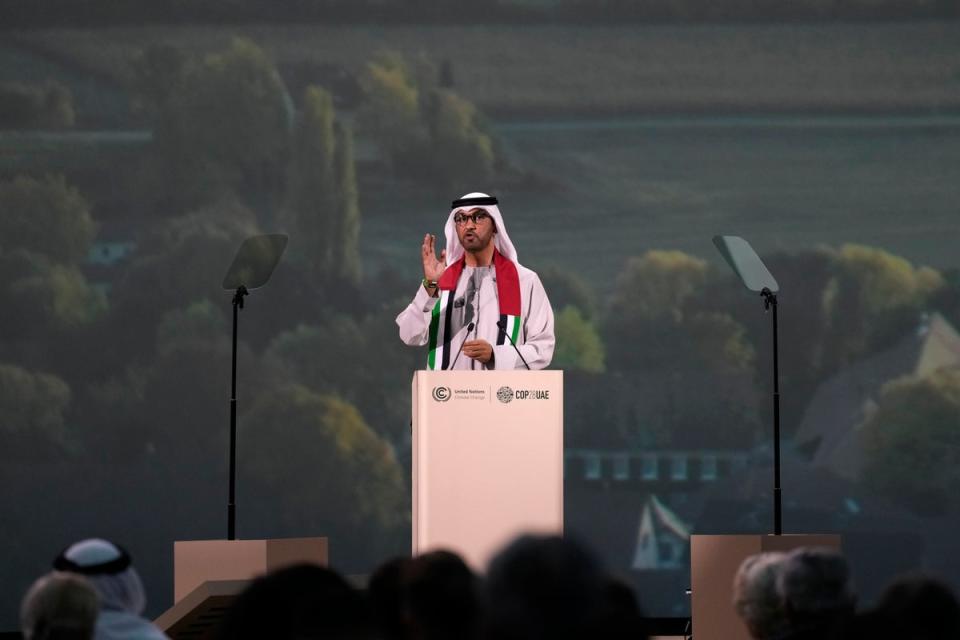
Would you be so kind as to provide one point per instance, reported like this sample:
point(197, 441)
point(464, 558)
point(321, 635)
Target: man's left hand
point(479, 350)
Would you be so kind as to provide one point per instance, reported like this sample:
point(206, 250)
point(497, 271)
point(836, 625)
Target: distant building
point(662, 538)
point(660, 470)
point(829, 432)
point(111, 250)
point(109, 253)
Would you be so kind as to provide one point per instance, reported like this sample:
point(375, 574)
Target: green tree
point(461, 150)
point(567, 288)
point(657, 285)
point(33, 409)
point(721, 342)
point(44, 298)
point(229, 128)
point(46, 106)
point(57, 107)
point(687, 366)
point(179, 263)
point(346, 248)
point(314, 467)
point(656, 318)
point(427, 132)
point(356, 359)
point(201, 322)
point(184, 259)
point(45, 216)
point(873, 298)
point(312, 201)
point(578, 345)
point(644, 324)
point(159, 77)
point(322, 203)
point(391, 110)
point(912, 442)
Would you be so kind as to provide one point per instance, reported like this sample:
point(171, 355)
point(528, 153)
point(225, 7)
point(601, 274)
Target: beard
point(475, 242)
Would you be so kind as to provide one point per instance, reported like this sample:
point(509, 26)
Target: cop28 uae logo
point(504, 394)
point(441, 394)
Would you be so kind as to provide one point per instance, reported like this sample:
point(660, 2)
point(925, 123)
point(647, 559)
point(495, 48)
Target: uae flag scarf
point(508, 298)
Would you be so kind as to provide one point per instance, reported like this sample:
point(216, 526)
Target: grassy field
point(786, 183)
point(630, 69)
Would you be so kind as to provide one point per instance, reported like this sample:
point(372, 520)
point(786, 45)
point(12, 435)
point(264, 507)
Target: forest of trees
point(121, 393)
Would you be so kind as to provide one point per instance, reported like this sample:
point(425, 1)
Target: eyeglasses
point(476, 216)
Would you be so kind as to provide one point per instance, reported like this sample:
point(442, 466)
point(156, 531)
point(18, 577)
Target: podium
point(487, 459)
point(714, 561)
point(209, 574)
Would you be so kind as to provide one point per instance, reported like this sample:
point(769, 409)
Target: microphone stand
point(460, 350)
point(232, 500)
point(251, 268)
point(770, 301)
point(757, 278)
point(503, 330)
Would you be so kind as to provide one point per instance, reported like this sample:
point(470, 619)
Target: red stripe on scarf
point(508, 282)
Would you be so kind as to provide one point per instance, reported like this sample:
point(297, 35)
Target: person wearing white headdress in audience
point(477, 306)
point(110, 570)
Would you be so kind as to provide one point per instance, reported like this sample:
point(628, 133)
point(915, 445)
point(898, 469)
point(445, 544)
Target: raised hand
point(432, 267)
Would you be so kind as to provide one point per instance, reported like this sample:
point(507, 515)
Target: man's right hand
point(432, 267)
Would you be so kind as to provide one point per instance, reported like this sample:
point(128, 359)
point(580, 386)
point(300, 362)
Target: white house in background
point(829, 432)
point(662, 538)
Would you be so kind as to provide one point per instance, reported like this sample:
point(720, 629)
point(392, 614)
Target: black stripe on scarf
point(447, 321)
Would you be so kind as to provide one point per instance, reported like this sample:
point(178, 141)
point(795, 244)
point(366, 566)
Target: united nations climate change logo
point(504, 394)
point(441, 394)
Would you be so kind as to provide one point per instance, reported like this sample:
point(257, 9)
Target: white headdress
point(488, 203)
point(108, 568)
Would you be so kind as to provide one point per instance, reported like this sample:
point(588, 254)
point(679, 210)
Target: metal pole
point(232, 499)
point(770, 300)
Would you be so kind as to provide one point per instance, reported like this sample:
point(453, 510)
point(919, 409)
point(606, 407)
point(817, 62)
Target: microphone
point(460, 350)
point(502, 325)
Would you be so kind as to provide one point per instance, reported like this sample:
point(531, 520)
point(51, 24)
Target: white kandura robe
point(123, 625)
point(535, 341)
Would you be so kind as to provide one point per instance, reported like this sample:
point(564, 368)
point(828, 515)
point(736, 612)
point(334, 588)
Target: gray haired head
point(756, 598)
point(60, 605)
point(815, 583)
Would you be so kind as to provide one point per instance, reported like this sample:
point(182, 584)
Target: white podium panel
point(487, 459)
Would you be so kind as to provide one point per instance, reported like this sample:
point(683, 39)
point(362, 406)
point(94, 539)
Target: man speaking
point(478, 308)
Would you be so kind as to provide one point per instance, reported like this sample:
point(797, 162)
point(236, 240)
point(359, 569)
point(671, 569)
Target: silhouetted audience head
point(109, 569)
point(756, 598)
point(547, 588)
point(817, 593)
point(59, 606)
point(620, 616)
point(385, 594)
point(441, 597)
point(301, 602)
point(542, 588)
point(917, 607)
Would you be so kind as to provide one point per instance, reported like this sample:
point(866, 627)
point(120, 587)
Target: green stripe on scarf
point(434, 329)
point(515, 333)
